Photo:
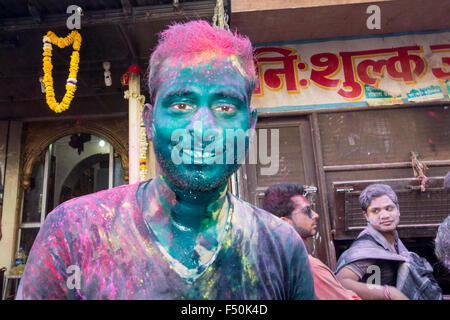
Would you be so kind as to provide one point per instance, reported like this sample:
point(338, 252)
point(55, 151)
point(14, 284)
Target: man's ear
point(253, 117)
point(365, 216)
point(147, 117)
point(287, 220)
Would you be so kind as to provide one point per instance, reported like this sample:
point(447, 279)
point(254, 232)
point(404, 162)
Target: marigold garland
point(50, 38)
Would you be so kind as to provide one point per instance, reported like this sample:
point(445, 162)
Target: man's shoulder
point(260, 217)
point(268, 228)
point(319, 269)
point(317, 263)
point(101, 202)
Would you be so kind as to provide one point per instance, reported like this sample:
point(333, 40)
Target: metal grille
point(383, 136)
point(417, 209)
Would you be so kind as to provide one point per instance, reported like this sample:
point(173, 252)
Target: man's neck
point(193, 210)
point(389, 236)
point(305, 241)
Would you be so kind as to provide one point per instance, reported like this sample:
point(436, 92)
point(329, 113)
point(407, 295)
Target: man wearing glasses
point(287, 202)
point(377, 266)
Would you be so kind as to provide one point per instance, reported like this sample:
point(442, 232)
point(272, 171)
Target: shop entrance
point(70, 167)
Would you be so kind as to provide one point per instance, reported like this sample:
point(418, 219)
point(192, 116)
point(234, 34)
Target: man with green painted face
point(180, 235)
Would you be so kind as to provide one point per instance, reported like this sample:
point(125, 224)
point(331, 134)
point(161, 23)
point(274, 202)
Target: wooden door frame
point(314, 173)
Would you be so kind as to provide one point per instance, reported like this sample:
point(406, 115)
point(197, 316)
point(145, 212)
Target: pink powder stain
point(214, 42)
point(432, 114)
point(198, 41)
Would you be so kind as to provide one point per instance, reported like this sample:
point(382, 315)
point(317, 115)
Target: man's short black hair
point(374, 191)
point(277, 198)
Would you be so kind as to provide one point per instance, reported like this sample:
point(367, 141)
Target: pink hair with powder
point(183, 42)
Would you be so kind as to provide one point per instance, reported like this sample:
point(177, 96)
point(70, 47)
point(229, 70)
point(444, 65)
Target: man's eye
point(225, 109)
point(389, 208)
point(307, 211)
point(182, 107)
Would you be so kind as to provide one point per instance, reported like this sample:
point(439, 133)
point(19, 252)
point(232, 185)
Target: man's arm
point(45, 272)
point(326, 285)
point(350, 280)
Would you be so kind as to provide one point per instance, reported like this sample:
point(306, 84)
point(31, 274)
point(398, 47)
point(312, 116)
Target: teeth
point(198, 154)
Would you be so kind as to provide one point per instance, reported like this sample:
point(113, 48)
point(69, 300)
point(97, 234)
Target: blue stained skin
point(214, 95)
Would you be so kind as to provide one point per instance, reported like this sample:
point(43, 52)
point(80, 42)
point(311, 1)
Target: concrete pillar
point(134, 122)
point(12, 188)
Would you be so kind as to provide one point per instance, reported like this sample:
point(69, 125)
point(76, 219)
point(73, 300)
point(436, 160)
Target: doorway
point(70, 167)
point(290, 144)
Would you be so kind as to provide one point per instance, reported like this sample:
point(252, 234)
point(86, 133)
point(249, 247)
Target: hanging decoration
point(77, 141)
point(131, 69)
point(220, 18)
point(419, 168)
point(107, 73)
point(74, 39)
point(143, 145)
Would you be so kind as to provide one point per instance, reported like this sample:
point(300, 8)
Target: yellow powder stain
point(210, 283)
point(109, 213)
point(248, 270)
point(126, 205)
point(226, 243)
point(200, 58)
point(237, 64)
point(102, 234)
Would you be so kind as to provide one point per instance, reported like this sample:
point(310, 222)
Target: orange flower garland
point(73, 38)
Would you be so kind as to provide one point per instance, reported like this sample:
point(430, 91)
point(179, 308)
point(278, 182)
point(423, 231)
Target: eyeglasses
point(307, 210)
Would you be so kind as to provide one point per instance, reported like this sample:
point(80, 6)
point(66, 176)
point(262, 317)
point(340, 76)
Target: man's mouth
point(202, 154)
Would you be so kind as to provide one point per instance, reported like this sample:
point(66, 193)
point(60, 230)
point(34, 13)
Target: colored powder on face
point(196, 42)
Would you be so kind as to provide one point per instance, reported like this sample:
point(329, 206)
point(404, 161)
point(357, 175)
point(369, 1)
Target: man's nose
point(315, 215)
point(202, 121)
point(384, 214)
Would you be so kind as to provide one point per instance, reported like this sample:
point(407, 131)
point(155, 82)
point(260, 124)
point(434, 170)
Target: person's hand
point(397, 294)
